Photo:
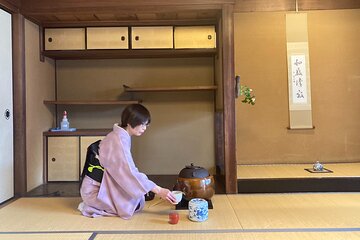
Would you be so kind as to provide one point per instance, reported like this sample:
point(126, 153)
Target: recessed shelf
point(129, 53)
point(91, 102)
point(169, 89)
point(79, 132)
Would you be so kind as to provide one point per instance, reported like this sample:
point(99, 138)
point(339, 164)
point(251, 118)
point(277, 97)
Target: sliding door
point(6, 109)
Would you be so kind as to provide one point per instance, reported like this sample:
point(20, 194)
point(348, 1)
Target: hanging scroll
point(300, 113)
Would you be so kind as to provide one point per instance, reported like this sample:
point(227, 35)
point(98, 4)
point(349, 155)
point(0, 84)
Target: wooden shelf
point(91, 102)
point(169, 89)
point(128, 53)
point(79, 132)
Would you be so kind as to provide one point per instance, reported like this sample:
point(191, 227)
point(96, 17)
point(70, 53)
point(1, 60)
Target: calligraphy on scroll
point(298, 79)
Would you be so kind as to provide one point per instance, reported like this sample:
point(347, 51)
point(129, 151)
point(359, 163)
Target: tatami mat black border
point(260, 230)
point(292, 185)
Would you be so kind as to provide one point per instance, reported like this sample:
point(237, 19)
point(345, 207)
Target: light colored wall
point(260, 60)
point(182, 126)
point(40, 85)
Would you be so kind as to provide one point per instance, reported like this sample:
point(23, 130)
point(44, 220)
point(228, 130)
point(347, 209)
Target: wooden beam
point(305, 5)
point(11, 6)
point(135, 4)
point(125, 23)
point(290, 5)
point(31, 7)
point(264, 5)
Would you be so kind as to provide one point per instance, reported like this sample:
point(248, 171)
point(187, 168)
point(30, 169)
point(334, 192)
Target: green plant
point(247, 92)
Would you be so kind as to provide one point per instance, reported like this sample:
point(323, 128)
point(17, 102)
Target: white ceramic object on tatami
point(178, 195)
point(198, 210)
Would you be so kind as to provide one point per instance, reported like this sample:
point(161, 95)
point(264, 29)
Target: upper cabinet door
point(107, 38)
point(64, 38)
point(195, 37)
point(152, 37)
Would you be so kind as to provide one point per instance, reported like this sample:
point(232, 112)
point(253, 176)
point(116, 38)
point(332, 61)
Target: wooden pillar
point(229, 97)
point(20, 175)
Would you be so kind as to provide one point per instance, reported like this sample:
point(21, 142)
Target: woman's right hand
point(166, 194)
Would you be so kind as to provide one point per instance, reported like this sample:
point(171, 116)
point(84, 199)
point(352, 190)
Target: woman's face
point(138, 130)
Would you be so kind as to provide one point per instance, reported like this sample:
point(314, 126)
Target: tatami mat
point(305, 210)
point(242, 216)
point(46, 236)
point(267, 171)
point(61, 214)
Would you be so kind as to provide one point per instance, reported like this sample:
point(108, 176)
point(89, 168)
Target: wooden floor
point(271, 171)
point(293, 216)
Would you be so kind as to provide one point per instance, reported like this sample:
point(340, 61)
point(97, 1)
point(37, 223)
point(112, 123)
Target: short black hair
point(135, 114)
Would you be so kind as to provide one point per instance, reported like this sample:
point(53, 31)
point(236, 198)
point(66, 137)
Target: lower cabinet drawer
point(63, 159)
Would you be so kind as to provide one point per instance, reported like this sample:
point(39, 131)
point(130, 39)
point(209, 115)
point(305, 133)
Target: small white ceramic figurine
point(318, 166)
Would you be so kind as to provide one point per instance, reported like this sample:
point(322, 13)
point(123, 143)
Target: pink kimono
point(122, 189)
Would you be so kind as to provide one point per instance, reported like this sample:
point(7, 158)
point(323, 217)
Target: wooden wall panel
point(327, 4)
point(260, 60)
point(290, 5)
point(264, 5)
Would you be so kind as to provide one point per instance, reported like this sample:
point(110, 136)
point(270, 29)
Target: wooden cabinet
point(195, 37)
point(63, 158)
point(145, 42)
point(152, 37)
point(66, 152)
point(64, 38)
point(107, 38)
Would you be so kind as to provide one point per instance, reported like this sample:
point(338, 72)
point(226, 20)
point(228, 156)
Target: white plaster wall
point(40, 85)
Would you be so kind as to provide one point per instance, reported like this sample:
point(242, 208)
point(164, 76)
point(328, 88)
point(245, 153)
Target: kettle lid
point(191, 171)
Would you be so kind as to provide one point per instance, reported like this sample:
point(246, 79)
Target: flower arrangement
point(247, 92)
point(242, 90)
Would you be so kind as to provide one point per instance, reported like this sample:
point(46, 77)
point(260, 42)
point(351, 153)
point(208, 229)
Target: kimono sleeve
point(119, 165)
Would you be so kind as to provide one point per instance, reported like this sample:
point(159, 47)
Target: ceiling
point(95, 12)
point(124, 12)
point(116, 17)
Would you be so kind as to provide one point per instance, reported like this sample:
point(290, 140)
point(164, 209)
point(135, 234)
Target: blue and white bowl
point(198, 210)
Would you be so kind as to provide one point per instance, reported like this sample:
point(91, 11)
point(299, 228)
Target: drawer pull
point(122, 38)
point(137, 38)
point(209, 37)
point(53, 159)
point(50, 39)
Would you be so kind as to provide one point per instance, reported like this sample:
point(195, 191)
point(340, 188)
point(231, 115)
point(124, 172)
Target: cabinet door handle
point(137, 38)
point(53, 159)
point(122, 38)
